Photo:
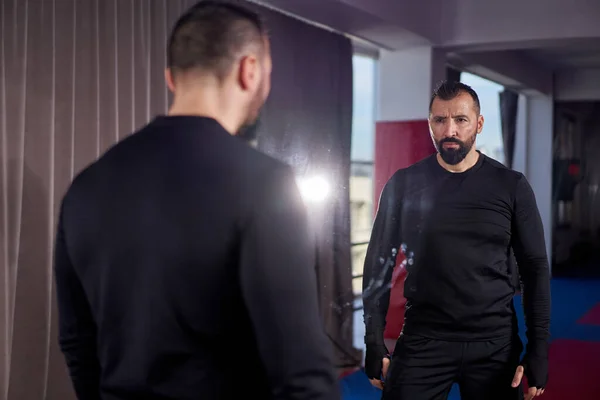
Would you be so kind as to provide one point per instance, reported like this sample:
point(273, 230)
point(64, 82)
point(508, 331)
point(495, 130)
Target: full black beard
point(454, 156)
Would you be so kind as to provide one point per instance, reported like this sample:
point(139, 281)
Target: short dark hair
point(448, 90)
point(210, 36)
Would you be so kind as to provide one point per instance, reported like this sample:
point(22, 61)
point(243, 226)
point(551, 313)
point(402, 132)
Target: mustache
point(451, 140)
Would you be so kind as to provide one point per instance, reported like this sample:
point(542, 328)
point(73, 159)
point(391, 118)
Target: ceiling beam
point(575, 85)
point(422, 17)
point(509, 68)
point(523, 45)
point(348, 20)
point(500, 25)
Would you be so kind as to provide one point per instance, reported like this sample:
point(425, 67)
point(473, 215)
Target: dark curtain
point(509, 102)
point(75, 77)
point(307, 122)
point(453, 75)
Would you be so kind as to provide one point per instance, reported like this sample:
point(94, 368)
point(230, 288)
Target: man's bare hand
point(532, 391)
point(384, 370)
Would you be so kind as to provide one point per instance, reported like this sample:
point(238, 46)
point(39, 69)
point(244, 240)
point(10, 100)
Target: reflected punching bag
point(398, 145)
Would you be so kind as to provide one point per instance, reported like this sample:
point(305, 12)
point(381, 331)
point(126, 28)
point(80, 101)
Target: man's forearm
point(529, 245)
point(374, 327)
point(379, 265)
point(376, 298)
point(536, 302)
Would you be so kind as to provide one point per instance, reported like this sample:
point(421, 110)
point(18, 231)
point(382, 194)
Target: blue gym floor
point(571, 299)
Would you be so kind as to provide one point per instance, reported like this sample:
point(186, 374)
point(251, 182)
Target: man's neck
point(200, 106)
point(469, 161)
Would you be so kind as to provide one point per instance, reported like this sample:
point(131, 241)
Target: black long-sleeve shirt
point(456, 231)
point(184, 270)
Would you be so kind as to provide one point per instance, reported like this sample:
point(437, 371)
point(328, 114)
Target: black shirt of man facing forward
point(456, 215)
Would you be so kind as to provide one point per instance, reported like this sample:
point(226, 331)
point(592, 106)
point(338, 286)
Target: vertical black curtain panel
point(307, 123)
point(509, 102)
point(453, 75)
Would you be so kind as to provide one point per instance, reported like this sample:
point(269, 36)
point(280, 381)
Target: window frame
point(365, 50)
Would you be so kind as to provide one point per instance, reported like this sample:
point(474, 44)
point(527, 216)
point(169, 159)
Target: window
point(362, 154)
point(489, 142)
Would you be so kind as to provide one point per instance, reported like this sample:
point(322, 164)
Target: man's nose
point(450, 129)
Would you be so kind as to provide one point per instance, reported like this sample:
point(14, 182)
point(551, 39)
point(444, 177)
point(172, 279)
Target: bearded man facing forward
point(456, 215)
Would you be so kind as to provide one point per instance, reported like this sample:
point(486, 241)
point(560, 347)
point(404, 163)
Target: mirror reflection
point(297, 200)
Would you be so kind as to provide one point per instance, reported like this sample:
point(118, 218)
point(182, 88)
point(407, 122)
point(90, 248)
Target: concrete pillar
point(520, 156)
point(406, 80)
point(540, 133)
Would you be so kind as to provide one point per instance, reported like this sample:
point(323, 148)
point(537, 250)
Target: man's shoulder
point(501, 172)
point(419, 166)
point(263, 181)
point(247, 171)
point(262, 160)
point(257, 166)
point(90, 172)
point(417, 169)
point(503, 181)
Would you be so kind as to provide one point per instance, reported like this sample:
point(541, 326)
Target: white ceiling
point(347, 19)
point(498, 54)
point(572, 56)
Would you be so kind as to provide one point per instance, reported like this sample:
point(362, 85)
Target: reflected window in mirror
point(362, 154)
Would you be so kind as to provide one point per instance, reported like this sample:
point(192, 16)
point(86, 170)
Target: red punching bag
point(398, 145)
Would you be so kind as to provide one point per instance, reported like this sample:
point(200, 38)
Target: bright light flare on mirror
point(314, 189)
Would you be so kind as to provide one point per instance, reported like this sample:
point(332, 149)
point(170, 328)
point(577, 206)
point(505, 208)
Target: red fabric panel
point(592, 317)
point(573, 370)
point(398, 144)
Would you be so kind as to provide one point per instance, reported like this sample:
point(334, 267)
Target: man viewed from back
point(183, 264)
point(455, 216)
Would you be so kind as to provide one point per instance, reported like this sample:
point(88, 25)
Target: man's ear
point(480, 121)
point(169, 80)
point(249, 72)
